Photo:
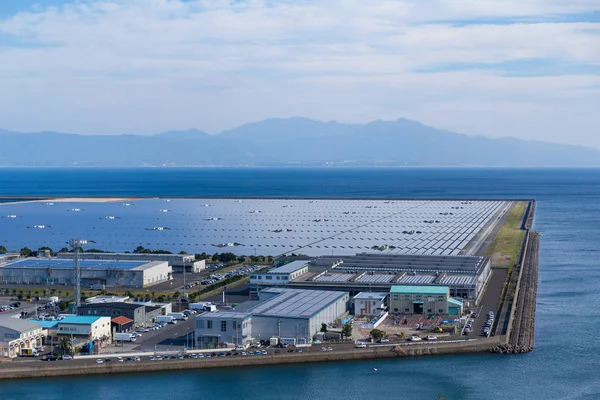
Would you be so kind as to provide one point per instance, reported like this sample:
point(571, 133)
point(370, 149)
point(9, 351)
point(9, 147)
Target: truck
point(29, 353)
point(168, 319)
point(125, 337)
point(203, 306)
point(178, 315)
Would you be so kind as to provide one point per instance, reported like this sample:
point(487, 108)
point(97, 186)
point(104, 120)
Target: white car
point(431, 337)
point(415, 338)
point(360, 345)
point(67, 357)
point(120, 359)
point(99, 361)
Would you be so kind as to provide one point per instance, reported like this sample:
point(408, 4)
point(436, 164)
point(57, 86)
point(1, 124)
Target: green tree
point(377, 334)
point(347, 330)
point(3, 250)
point(215, 257)
point(241, 259)
point(183, 252)
point(26, 252)
point(64, 345)
point(63, 305)
point(176, 295)
point(324, 327)
point(227, 257)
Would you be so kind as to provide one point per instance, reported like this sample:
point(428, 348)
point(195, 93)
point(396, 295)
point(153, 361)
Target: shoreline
point(49, 369)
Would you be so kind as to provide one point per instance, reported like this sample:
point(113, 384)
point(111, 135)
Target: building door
point(417, 308)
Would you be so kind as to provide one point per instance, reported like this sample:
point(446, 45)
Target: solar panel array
point(295, 303)
point(86, 264)
point(418, 279)
point(334, 278)
point(375, 278)
point(458, 280)
point(252, 226)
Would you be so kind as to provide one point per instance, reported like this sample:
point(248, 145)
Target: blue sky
point(522, 68)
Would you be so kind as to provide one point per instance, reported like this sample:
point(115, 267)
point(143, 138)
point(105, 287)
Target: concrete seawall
point(40, 369)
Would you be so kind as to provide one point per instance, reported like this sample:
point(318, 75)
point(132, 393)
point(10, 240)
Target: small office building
point(369, 304)
point(140, 314)
point(277, 276)
point(88, 327)
point(427, 300)
point(121, 324)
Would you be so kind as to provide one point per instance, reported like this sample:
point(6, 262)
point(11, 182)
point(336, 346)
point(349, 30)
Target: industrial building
point(465, 276)
point(18, 334)
point(313, 227)
point(428, 300)
point(141, 315)
point(94, 273)
point(370, 304)
point(289, 316)
point(176, 261)
point(88, 328)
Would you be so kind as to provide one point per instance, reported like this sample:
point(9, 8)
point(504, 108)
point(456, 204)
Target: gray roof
point(371, 295)
point(224, 314)
point(118, 304)
point(295, 303)
point(289, 268)
point(17, 324)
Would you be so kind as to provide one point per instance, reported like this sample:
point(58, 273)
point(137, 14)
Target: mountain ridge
point(291, 141)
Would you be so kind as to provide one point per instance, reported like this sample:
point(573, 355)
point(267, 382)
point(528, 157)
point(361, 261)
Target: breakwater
point(20, 370)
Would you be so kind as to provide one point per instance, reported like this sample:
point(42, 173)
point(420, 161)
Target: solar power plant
point(85, 264)
point(458, 280)
point(296, 303)
point(334, 278)
point(417, 279)
point(375, 278)
point(252, 226)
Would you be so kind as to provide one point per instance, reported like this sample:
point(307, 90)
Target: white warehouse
point(53, 271)
point(292, 316)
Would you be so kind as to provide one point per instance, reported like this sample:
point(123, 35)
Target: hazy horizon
point(525, 69)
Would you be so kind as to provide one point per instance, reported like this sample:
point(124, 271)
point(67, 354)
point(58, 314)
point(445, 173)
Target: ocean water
point(564, 365)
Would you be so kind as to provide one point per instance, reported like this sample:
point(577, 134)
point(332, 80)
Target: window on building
point(223, 326)
point(395, 310)
point(440, 311)
point(441, 298)
point(234, 325)
point(395, 297)
point(269, 277)
point(407, 297)
point(406, 310)
point(277, 277)
point(429, 311)
point(209, 324)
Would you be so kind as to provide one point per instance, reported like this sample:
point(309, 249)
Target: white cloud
point(142, 66)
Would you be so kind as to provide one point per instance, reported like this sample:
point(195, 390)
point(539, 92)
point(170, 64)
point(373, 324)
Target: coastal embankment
point(20, 370)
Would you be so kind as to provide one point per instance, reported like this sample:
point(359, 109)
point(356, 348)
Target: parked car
point(99, 361)
point(67, 357)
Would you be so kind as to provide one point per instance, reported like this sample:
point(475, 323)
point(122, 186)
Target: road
point(489, 302)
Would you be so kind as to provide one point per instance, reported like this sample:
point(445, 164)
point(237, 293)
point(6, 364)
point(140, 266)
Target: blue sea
point(564, 365)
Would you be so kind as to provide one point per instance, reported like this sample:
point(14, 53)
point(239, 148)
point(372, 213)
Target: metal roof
point(80, 320)
point(255, 226)
point(117, 305)
point(290, 267)
point(18, 324)
point(70, 264)
point(455, 302)
point(371, 295)
point(295, 303)
point(45, 324)
point(435, 290)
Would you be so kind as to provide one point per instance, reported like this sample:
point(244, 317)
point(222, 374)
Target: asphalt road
point(489, 302)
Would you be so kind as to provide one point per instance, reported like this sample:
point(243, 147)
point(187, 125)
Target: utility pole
point(77, 245)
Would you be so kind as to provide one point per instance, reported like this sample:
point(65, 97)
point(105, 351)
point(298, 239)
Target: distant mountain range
point(290, 142)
